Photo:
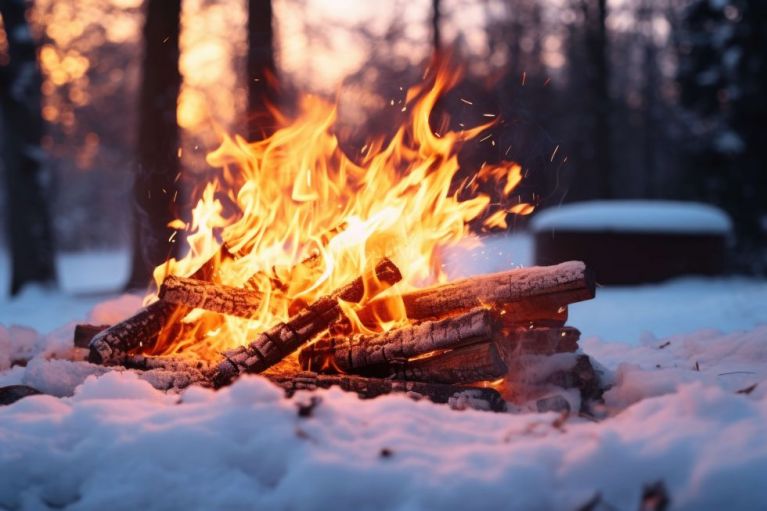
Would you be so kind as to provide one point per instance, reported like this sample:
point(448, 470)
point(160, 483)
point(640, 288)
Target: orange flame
point(310, 218)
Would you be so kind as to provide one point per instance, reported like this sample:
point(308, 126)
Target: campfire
point(318, 269)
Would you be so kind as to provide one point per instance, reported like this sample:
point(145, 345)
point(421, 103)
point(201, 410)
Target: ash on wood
point(284, 338)
point(196, 294)
point(537, 293)
point(350, 354)
point(469, 364)
point(368, 388)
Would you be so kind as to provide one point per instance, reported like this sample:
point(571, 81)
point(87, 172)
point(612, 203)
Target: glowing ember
point(309, 218)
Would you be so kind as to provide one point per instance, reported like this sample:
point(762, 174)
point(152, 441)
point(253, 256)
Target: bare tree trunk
point(261, 68)
point(156, 186)
point(600, 85)
point(436, 16)
point(649, 97)
point(29, 229)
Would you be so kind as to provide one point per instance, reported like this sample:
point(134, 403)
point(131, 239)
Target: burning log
point(198, 294)
point(142, 329)
point(85, 332)
point(365, 351)
point(284, 338)
point(527, 294)
point(368, 388)
point(110, 346)
point(477, 362)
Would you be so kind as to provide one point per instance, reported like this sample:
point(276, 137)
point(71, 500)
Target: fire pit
point(326, 274)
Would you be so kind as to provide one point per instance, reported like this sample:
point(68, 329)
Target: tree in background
point(29, 228)
point(261, 73)
point(589, 86)
point(722, 77)
point(157, 183)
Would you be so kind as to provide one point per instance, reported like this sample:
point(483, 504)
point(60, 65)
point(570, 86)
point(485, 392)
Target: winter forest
point(618, 99)
point(412, 254)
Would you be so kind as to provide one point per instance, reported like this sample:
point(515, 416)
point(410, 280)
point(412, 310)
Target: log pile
point(460, 342)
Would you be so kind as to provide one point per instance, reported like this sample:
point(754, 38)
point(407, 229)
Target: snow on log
point(284, 338)
point(367, 388)
point(350, 354)
point(527, 294)
point(198, 294)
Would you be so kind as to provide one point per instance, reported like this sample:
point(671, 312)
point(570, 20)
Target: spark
point(507, 151)
point(554, 153)
point(488, 115)
point(524, 78)
point(483, 139)
point(172, 236)
point(467, 101)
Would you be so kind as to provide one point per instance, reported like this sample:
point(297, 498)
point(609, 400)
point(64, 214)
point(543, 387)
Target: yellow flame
point(310, 219)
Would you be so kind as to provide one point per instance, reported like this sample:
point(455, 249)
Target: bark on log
point(367, 388)
point(85, 332)
point(474, 363)
point(197, 294)
point(351, 354)
point(528, 294)
point(284, 338)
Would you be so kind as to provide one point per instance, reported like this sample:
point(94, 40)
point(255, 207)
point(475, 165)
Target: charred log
point(350, 354)
point(527, 294)
point(477, 362)
point(143, 329)
point(112, 345)
point(284, 338)
point(196, 294)
point(85, 332)
point(367, 388)
point(538, 341)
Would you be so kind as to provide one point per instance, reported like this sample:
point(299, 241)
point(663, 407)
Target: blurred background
point(600, 99)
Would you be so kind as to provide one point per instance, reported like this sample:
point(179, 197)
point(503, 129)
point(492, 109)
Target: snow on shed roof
point(634, 216)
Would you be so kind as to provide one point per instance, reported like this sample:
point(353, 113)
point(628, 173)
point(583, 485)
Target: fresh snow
point(634, 216)
point(676, 355)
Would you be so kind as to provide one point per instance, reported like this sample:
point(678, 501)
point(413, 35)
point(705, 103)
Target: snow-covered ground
point(677, 355)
